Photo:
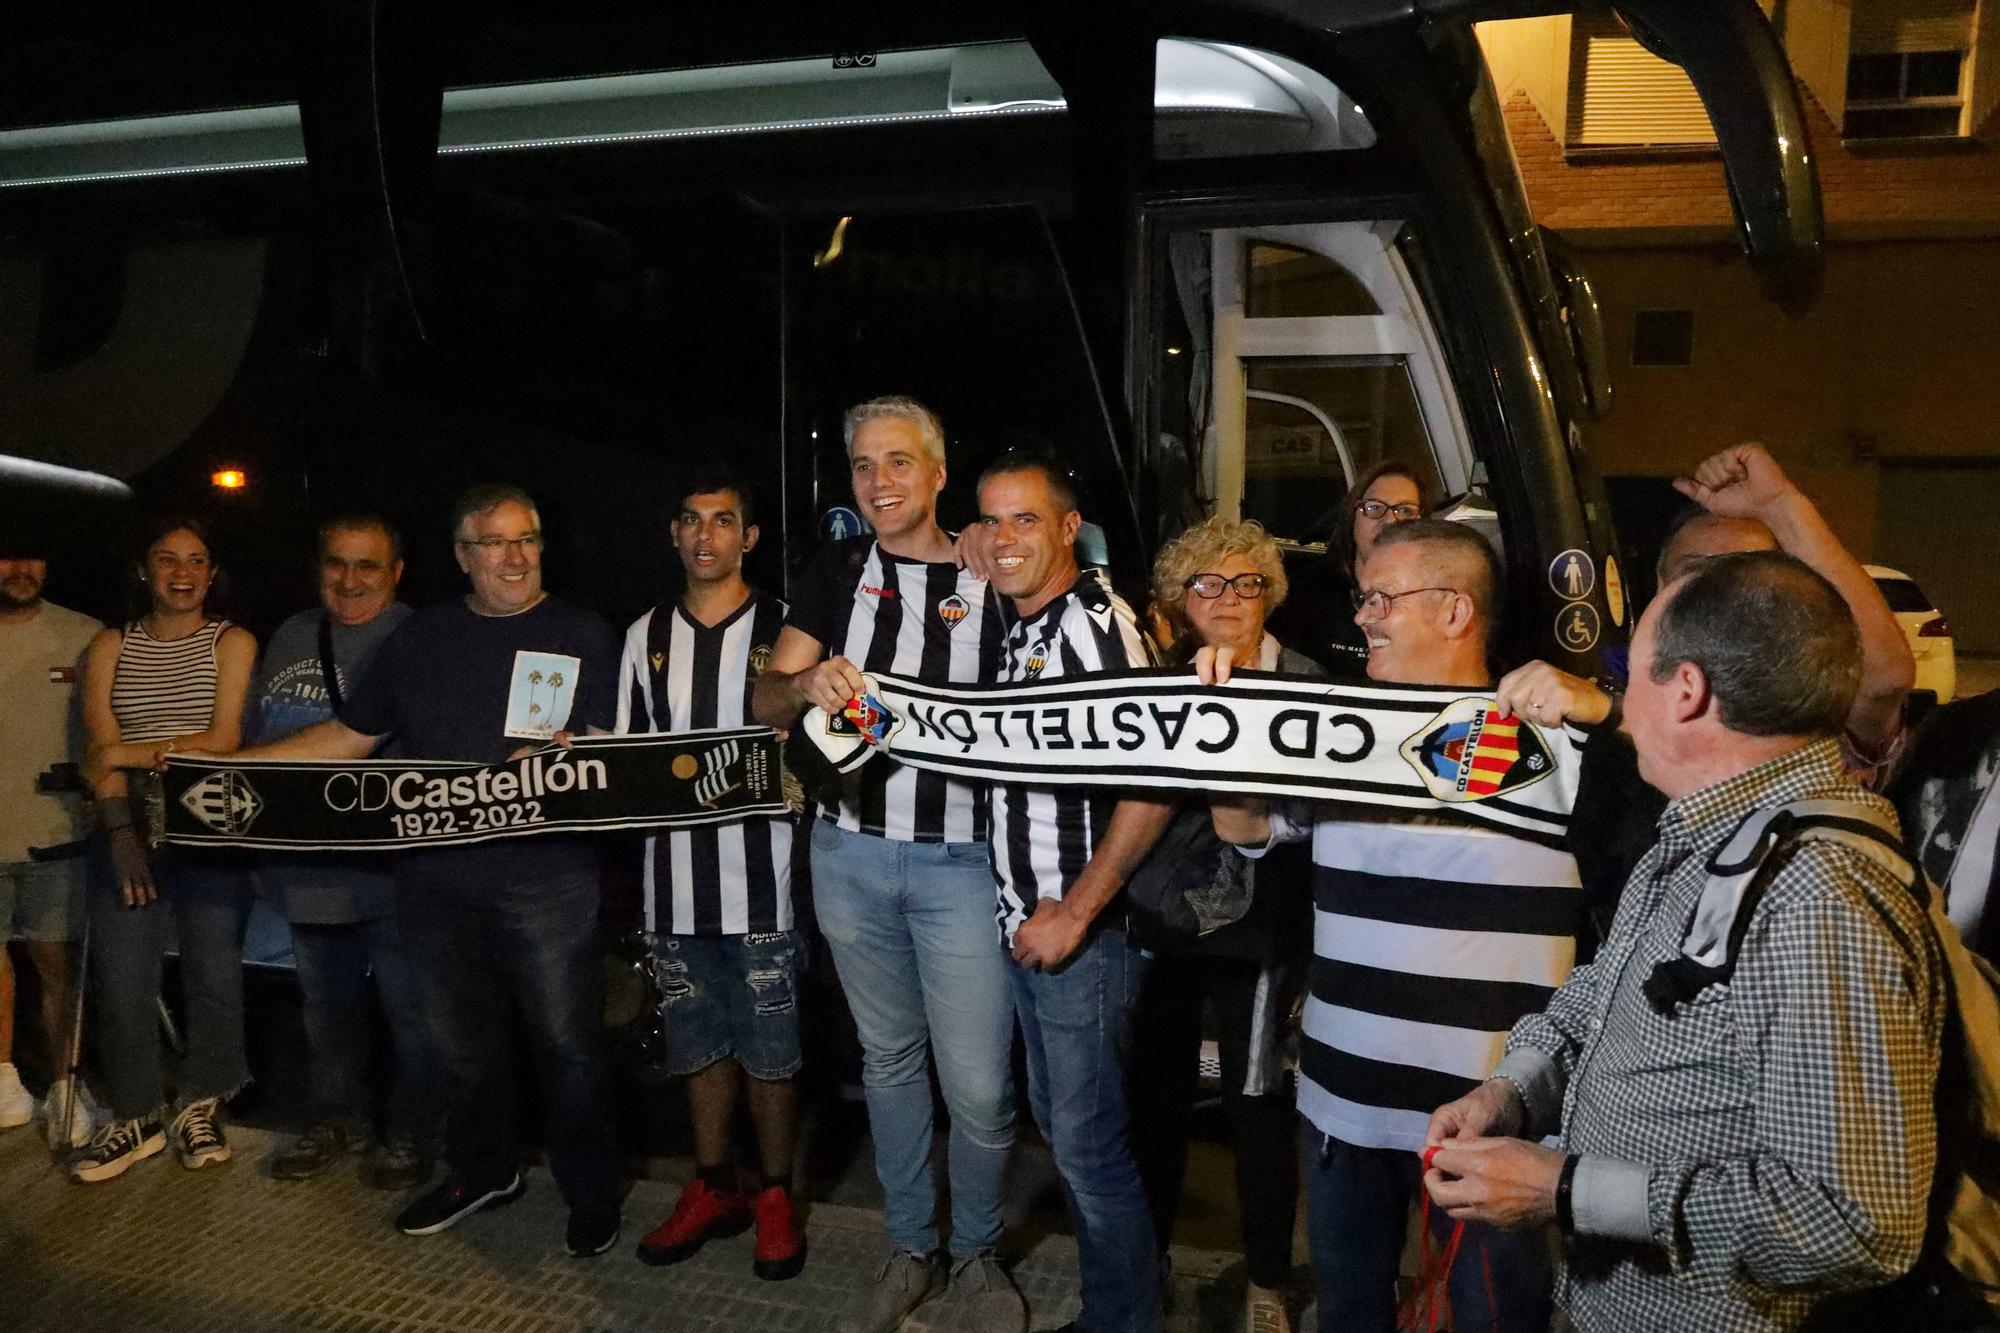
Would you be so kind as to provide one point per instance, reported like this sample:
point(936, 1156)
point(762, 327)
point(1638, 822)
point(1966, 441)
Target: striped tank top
point(165, 688)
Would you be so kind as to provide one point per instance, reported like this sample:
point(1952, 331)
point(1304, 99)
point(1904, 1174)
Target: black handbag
point(1188, 885)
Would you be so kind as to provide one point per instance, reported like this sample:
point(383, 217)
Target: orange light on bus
point(228, 479)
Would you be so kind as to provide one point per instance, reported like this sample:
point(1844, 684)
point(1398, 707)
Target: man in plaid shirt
point(1735, 1159)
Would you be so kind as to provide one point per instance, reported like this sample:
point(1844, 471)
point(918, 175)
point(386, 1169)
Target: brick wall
point(1946, 189)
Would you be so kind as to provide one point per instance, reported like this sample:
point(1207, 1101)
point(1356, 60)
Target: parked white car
point(1925, 627)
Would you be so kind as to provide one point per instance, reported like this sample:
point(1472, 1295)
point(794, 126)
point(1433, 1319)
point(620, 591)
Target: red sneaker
point(701, 1215)
point(781, 1241)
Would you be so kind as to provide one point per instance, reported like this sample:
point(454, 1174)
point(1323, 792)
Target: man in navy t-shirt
point(508, 926)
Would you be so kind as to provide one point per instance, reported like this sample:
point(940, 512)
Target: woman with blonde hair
point(1226, 932)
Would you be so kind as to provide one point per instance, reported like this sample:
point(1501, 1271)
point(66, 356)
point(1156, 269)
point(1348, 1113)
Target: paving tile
point(227, 1248)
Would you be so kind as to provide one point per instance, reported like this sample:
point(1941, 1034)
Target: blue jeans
point(1076, 1022)
point(494, 961)
point(334, 965)
point(204, 901)
point(1357, 1208)
point(911, 930)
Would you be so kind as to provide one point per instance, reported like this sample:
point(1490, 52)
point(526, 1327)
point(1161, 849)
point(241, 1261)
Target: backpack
point(1956, 1282)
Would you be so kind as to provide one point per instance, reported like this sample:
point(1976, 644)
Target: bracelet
point(1520, 1095)
point(1565, 1184)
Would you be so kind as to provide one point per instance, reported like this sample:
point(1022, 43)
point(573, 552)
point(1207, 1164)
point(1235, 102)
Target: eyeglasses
point(1247, 586)
point(1377, 602)
point(1379, 509)
point(531, 541)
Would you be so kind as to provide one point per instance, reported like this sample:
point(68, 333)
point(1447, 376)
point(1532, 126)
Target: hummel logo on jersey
point(225, 802)
point(874, 591)
point(954, 609)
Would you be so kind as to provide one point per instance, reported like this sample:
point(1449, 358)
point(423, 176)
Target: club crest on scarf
point(866, 716)
point(1469, 752)
point(224, 801)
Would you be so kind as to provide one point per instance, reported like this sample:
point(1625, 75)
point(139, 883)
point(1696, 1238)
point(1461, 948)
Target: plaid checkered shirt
point(1771, 1140)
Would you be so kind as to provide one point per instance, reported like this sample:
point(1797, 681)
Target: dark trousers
point(512, 975)
point(1357, 1207)
point(202, 904)
point(1248, 997)
point(1076, 1028)
point(335, 965)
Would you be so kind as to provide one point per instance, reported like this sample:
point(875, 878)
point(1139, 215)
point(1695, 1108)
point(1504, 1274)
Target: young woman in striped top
point(172, 678)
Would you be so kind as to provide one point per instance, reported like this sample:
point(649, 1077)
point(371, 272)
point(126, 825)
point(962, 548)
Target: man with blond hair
point(901, 873)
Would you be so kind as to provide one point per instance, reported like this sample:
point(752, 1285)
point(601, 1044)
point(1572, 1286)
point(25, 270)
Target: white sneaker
point(66, 1100)
point(16, 1106)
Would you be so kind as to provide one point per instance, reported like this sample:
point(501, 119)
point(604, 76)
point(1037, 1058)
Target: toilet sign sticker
point(1572, 575)
point(1614, 590)
point(1577, 627)
point(838, 524)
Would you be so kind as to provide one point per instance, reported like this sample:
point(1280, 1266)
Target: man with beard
point(41, 902)
point(719, 898)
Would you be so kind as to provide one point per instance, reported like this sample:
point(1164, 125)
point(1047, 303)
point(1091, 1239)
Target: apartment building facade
point(1883, 399)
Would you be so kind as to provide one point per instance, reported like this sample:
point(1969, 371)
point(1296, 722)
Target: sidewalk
point(162, 1248)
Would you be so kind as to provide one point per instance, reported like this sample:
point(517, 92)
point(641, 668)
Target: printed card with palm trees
point(540, 695)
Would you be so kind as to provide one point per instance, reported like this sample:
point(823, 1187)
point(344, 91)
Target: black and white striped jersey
point(680, 675)
point(931, 623)
point(1043, 837)
point(1429, 940)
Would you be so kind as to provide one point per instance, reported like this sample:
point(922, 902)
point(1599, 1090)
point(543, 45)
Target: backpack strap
point(328, 670)
point(1741, 871)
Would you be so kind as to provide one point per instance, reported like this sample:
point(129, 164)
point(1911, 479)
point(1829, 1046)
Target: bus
point(1222, 255)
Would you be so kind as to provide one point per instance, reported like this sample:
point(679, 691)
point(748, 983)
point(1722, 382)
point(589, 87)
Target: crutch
point(72, 1055)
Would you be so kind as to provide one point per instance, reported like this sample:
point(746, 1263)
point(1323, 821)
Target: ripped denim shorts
point(731, 995)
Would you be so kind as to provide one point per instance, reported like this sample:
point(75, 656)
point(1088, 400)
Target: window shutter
point(1891, 27)
point(1623, 94)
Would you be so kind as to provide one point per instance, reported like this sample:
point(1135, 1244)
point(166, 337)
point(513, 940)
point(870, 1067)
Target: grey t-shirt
point(291, 695)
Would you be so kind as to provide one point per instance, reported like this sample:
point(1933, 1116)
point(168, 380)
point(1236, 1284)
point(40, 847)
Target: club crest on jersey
point(659, 661)
point(760, 658)
point(1469, 752)
point(224, 801)
point(953, 609)
point(1038, 657)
